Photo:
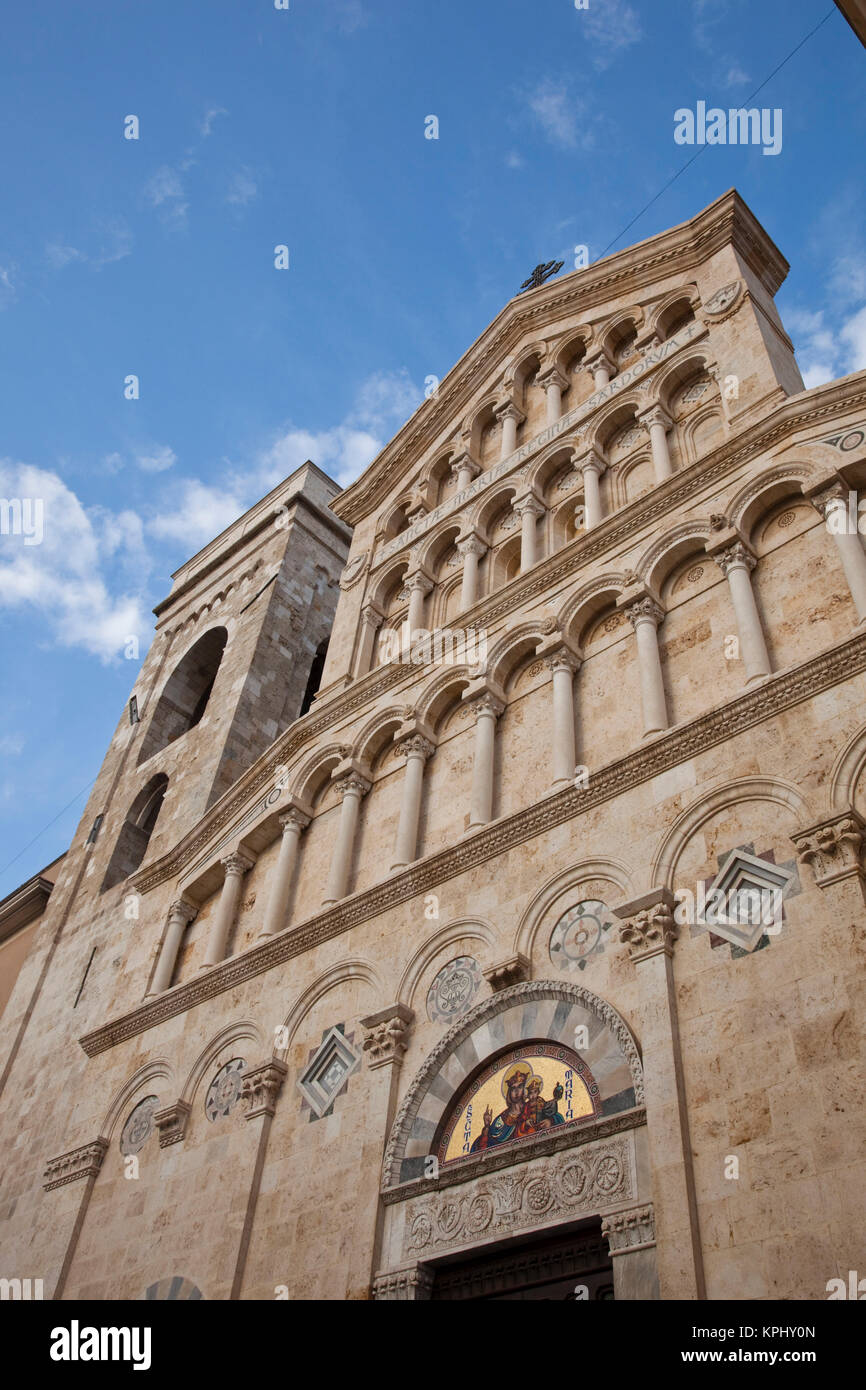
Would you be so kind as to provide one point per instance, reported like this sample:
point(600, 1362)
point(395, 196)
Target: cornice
point(796, 413)
point(780, 692)
point(727, 221)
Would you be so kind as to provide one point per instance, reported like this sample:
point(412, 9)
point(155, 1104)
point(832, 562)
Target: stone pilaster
point(649, 931)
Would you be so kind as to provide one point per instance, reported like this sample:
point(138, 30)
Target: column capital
point(484, 698)
point(589, 461)
point(183, 910)
point(737, 554)
point(827, 492)
point(419, 579)
point(528, 503)
point(655, 415)
point(409, 745)
point(630, 1230)
point(261, 1086)
point(464, 462)
point(508, 410)
point(557, 650)
point(648, 926)
point(600, 359)
point(372, 615)
point(294, 818)
point(237, 864)
point(640, 606)
point(471, 544)
point(387, 1035)
point(553, 376)
point(351, 783)
point(832, 848)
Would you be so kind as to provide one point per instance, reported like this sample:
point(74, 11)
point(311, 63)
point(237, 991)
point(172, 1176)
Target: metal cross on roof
point(542, 273)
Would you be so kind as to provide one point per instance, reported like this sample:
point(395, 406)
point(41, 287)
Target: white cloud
point(59, 256)
point(197, 512)
point(242, 188)
point(62, 581)
point(156, 459)
point(558, 114)
point(612, 25)
point(384, 402)
point(11, 745)
point(165, 191)
point(206, 123)
point(824, 351)
point(513, 160)
point(737, 77)
point(7, 285)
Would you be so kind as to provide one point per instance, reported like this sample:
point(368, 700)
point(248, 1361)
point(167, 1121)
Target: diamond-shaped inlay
point(745, 899)
point(328, 1070)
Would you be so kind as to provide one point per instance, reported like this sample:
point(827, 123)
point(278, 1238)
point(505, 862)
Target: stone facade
point(620, 518)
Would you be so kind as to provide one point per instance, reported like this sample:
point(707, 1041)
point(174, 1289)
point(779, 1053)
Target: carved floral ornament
point(833, 848)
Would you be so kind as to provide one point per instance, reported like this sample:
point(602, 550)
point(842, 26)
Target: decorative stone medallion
point(452, 992)
point(723, 299)
point(224, 1091)
point(139, 1126)
point(580, 934)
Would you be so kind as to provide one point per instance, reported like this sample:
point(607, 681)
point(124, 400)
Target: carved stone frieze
point(84, 1162)
point(536, 1194)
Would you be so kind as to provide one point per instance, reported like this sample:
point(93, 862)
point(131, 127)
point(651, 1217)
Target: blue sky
point(305, 127)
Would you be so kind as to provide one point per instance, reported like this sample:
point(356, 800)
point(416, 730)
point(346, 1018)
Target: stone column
point(293, 823)
point(416, 749)
point(658, 422)
point(371, 621)
point(419, 587)
point(631, 1237)
point(736, 562)
point(510, 416)
point(592, 465)
point(464, 469)
point(562, 661)
point(644, 614)
point(235, 866)
point(180, 914)
point(649, 931)
point(488, 707)
point(351, 787)
point(472, 548)
point(528, 509)
point(602, 368)
point(832, 503)
point(555, 383)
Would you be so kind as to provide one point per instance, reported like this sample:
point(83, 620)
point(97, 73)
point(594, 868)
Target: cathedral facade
point(471, 901)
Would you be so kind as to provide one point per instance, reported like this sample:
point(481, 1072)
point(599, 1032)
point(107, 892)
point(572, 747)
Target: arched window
point(134, 838)
point(185, 694)
point(315, 678)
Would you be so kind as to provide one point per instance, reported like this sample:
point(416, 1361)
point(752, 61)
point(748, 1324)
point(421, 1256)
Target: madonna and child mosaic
point(531, 1090)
